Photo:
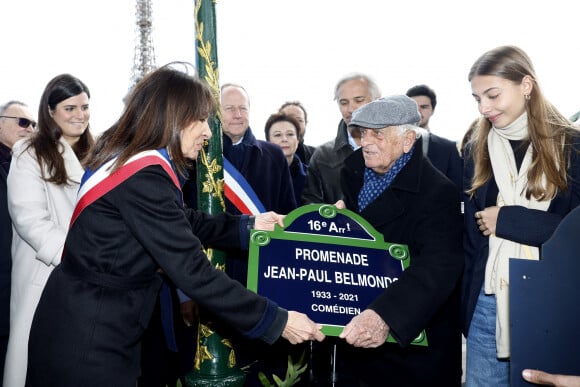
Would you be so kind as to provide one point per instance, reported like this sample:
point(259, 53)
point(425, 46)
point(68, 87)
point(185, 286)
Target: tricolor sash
point(239, 192)
point(96, 184)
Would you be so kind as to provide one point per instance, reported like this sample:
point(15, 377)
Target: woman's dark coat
point(97, 303)
point(515, 223)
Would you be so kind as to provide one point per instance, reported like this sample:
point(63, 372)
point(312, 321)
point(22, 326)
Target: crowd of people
point(96, 228)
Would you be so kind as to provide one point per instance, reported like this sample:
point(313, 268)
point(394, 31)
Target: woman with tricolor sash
point(129, 225)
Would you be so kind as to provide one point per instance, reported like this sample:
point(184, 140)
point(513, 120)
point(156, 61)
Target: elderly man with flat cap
point(396, 189)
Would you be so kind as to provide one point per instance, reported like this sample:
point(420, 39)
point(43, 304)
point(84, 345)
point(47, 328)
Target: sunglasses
point(23, 122)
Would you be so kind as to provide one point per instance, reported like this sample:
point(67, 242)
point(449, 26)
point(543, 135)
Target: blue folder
point(545, 306)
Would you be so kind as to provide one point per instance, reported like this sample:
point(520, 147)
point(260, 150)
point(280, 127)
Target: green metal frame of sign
point(376, 241)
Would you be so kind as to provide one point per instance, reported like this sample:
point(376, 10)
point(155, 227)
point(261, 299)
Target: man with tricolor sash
point(256, 174)
point(257, 179)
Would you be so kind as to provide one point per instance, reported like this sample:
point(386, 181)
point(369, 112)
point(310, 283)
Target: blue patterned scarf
point(375, 184)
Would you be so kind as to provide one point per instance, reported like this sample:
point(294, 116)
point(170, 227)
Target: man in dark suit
point(296, 110)
point(322, 179)
point(263, 166)
point(390, 183)
point(442, 153)
point(15, 123)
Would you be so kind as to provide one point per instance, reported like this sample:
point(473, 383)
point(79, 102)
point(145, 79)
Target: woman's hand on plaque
point(300, 328)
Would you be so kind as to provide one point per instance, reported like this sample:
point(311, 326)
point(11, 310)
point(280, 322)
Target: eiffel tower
point(144, 58)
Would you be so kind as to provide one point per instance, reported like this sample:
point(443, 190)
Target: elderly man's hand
point(340, 204)
point(367, 330)
point(300, 328)
point(266, 221)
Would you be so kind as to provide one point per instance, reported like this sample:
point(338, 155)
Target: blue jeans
point(483, 368)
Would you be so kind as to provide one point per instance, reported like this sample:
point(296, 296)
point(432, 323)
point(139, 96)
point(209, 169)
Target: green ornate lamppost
point(215, 362)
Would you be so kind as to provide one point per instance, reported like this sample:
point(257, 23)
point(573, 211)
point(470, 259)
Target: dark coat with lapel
point(444, 156)
point(298, 171)
point(98, 301)
point(421, 209)
point(265, 168)
point(305, 152)
point(323, 175)
point(5, 246)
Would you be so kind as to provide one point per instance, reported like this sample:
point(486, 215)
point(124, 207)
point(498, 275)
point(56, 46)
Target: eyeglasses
point(23, 122)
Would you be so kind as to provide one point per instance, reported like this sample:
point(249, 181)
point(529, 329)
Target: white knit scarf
point(512, 189)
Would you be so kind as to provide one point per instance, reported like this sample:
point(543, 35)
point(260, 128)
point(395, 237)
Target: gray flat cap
point(387, 111)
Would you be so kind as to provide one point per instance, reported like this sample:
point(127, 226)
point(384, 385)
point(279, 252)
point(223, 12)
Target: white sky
point(293, 50)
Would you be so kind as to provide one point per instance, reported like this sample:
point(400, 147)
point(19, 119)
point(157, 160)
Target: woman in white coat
point(42, 185)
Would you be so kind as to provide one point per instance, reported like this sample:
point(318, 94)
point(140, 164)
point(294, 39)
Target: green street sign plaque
point(327, 263)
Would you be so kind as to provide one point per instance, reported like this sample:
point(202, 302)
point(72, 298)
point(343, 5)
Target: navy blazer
point(515, 223)
point(265, 168)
